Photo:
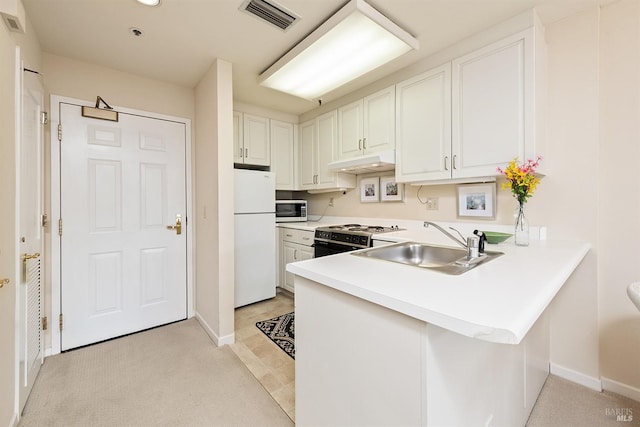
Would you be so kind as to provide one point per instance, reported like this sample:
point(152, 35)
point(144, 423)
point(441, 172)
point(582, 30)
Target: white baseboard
point(620, 388)
point(219, 341)
point(576, 377)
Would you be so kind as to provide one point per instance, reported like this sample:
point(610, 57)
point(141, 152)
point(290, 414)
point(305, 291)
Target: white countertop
point(498, 301)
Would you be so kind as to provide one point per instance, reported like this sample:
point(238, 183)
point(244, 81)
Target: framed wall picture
point(390, 190)
point(477, 200)
point(370, 189)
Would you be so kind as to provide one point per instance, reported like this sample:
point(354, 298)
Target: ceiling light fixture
point(149, 2)
point(352, 42)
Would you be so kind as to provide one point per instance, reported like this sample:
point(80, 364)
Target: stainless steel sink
point(438, 258)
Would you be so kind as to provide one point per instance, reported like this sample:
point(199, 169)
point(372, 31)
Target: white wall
point(214, 203)
point(619, 189)
point(82, 80)
point(568, 206)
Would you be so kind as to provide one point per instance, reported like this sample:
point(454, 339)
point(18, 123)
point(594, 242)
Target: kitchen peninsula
point(379, 343)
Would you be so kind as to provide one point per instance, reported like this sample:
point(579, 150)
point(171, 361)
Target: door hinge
point(60, 321)
point(60, 132)
point(44, 117)
point(44, 220)
point(45, 323)
point(60, 227)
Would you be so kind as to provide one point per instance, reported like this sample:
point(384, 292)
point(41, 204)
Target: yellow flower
point(521, 179)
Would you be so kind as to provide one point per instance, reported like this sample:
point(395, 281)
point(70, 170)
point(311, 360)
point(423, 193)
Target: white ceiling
point(182, 37)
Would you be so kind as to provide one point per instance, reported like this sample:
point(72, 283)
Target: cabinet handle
point(246, 153)
point(4, 282)
point(306, 238)
point(454, 162)
point(359, 144)
point(295, 254)
point(289, 235)
point(364, 143)
point(446, 161)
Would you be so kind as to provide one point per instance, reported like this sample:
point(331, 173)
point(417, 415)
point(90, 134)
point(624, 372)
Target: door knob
point(27, 257)
point(4, 282)
point(178, 226)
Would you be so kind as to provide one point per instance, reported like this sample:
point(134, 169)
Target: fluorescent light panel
point(354, 41)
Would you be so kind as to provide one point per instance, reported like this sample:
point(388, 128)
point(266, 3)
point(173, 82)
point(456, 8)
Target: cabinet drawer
point(293, 235)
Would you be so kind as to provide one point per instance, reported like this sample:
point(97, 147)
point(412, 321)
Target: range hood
point(376, 162)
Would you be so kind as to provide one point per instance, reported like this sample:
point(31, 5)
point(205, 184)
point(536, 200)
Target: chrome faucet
point(474, 244)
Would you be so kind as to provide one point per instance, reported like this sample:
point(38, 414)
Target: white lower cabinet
point(358, 363)
point(296, 245)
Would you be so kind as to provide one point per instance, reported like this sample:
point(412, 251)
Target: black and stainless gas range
point(336, 239)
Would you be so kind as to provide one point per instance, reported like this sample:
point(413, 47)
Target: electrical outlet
point(432, 204)
point(331, 201)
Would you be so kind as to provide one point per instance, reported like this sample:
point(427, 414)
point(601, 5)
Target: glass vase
point(522, 227)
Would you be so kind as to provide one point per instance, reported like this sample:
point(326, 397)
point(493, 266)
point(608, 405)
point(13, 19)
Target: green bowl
point(496, 237)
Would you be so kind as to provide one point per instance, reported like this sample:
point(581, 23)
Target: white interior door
point(122, 183)
point(31, 235)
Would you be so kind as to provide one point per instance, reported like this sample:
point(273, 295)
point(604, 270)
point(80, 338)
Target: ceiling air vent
point(269, 12)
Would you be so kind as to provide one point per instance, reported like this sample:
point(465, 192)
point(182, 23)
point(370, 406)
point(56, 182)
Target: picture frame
point(370, 190)
point(390, 190)
point(477, 200)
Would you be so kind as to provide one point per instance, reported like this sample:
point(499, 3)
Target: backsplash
point(348, 204)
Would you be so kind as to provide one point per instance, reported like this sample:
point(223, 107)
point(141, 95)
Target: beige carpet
point(565, 404)
point(169, 376)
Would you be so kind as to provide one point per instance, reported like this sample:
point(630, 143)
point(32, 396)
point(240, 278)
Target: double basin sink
point(443, 259)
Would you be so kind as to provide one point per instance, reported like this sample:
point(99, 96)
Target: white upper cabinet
point(423, 126)
point(317, 144)
point(238, 138)
point(466, 118)
point(494, 107)
point(368, 125)
point(308, 155)
point(327, 133)
point(251, 139)
point(283, 154)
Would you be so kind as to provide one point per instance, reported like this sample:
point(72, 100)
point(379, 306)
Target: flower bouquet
point(522, 181)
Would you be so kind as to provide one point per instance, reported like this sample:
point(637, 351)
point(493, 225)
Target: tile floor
point(269, 364)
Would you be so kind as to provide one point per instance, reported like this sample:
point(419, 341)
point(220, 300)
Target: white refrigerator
point(255, 236)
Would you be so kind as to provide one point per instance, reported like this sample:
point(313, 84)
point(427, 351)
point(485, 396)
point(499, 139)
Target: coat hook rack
point(105, 113)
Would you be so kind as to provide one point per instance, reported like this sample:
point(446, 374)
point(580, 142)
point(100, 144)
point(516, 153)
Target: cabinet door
point(289, 254)
point(308, 155)
point(256, 140)
point(306, 252)
point(238, 146)
point(350, 130)
point(283, 154)
point(293, 252)
point(327, 131)
point(379, 121)
point(423, 126)
point(491, 122)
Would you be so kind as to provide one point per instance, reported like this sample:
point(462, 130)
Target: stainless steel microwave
point(291, 210)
